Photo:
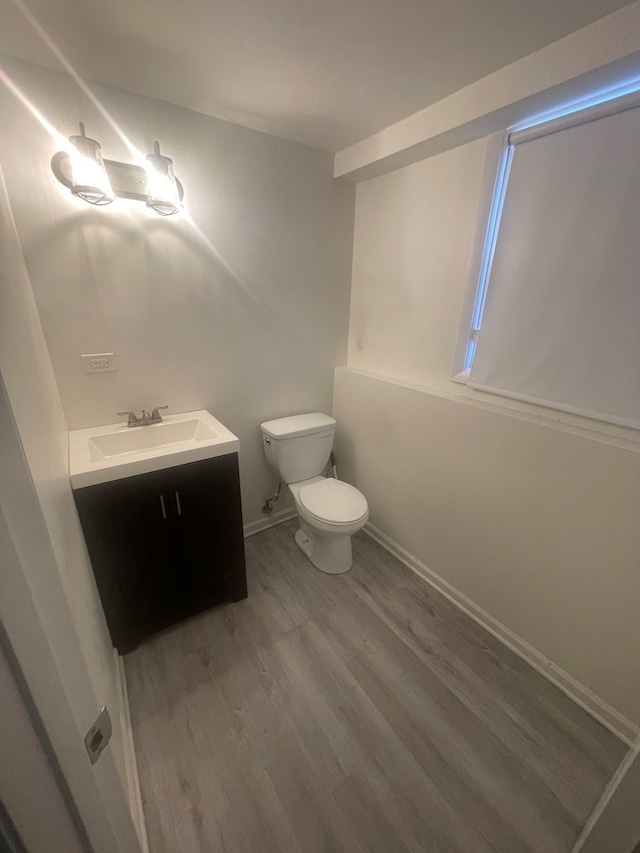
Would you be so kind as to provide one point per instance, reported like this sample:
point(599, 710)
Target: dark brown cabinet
point(164, 545)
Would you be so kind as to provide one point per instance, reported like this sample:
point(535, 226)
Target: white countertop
point(112, 452)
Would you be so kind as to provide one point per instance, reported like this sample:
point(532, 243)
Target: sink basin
point(105, 453)
point(135, 439)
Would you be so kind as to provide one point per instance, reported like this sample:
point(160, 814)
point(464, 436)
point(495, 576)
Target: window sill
point(617, 436)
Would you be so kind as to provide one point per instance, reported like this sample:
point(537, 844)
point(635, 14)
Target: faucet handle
point(132, 419)
point(155, 414)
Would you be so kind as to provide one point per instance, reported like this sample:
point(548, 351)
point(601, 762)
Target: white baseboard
point(606, 812)
point(269, 521)
point(131, 765)
point(610, 718)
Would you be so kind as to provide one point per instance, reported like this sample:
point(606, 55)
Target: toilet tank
point(298, 447)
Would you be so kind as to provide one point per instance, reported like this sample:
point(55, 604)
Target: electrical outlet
point(99, 362)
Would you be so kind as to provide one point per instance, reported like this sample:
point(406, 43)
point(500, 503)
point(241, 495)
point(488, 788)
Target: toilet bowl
point(329, 511)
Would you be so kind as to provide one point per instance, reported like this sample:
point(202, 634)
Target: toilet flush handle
point(267, 440)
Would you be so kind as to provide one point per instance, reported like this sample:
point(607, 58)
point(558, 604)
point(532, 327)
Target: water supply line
point(268, 504)
point(267, 509)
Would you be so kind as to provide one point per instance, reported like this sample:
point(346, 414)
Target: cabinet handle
point(164, 511)
point(178, 507)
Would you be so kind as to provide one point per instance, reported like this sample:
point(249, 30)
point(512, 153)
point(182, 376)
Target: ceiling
point(326, 73)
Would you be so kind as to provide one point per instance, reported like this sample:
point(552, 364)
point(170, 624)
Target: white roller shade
point(561, 323)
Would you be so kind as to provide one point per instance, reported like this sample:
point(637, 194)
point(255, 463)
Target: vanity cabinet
point(164, 545)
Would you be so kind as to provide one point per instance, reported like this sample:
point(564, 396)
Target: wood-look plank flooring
point(360, 712)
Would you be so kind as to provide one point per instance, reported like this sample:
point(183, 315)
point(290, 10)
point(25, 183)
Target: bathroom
point(271, 299)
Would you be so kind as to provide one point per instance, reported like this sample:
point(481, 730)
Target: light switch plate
point(99, 362)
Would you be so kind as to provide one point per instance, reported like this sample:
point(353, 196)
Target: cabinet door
point(128, 529)
point(205, 500)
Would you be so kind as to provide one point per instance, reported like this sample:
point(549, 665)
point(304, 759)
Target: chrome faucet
point(145, 418)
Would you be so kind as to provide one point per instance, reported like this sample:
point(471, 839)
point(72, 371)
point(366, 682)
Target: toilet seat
point(333, 501)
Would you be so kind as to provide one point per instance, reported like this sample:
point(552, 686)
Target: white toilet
point(329, 511)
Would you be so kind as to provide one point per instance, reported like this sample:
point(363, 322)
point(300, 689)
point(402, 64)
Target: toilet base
point(332, 555)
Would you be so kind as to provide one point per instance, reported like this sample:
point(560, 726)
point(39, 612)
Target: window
point(557, 313)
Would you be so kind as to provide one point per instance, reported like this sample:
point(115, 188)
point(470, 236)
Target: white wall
point(28, 787)
point(35, 403)
point(413, 235)
point(49, 604)
point(535, 522)
point(246, 319)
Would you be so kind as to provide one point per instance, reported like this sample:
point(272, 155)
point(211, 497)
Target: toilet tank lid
point(297, 425)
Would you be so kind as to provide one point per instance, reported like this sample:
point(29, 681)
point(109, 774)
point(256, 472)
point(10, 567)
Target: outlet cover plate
point(99, 362)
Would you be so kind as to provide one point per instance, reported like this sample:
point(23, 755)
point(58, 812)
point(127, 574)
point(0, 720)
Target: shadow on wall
point(90, 228)
point(346, 461)
point(106, 254)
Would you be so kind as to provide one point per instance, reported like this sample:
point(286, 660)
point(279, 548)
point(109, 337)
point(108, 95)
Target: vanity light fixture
point(99, 181)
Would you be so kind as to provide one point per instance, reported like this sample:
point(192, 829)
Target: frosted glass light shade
point(90, 180)
point(162, 189)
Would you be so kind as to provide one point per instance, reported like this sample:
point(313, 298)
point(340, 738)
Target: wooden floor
point(360, 712)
